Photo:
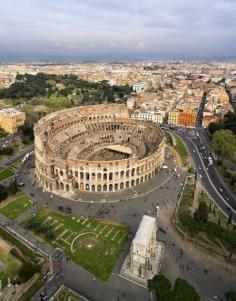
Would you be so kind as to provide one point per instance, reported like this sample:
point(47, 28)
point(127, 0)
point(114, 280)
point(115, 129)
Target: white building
point(156, 117)
point(130, 103)
point(138, 87)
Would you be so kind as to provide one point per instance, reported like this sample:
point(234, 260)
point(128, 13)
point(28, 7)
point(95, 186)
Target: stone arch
point(110, 187)
point(87, 187)
point(105, 187)
point(116, 186)
point(137, 181)
point(67, 187)
point(132, 172)
point(61, 186)
point(127, 184)
point(110, 176)
point(99, 188)
point(121, 185)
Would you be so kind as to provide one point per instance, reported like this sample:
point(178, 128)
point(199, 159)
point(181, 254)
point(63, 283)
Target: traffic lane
point(208, 184)
point(19, 156)
point(212, 172)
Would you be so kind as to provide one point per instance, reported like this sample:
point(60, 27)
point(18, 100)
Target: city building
point(186, 117)
point(173, 117)
point(148, 116)
point(11, 119)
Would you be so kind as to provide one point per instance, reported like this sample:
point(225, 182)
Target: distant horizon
point(74, 59)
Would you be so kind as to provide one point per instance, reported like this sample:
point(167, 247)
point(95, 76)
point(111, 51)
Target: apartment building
point(11, 119)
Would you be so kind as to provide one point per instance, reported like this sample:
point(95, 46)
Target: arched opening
point(110, 187)
point(116, 186)
point(122, 185)
point(67, 187)
point(61, 186)
point(137, 181)
point(127, 184)
point(132, 172)
point(122, 174)
point(81, 175)
point(105, 187)
point(99, 175)
point(87, 187)
point(99, 188)
point(104, 176)
point(110, 176)
point(87, 176)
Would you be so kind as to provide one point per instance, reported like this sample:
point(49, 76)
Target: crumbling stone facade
point(96, 148)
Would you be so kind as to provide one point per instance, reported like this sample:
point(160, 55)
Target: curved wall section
point(96, 149)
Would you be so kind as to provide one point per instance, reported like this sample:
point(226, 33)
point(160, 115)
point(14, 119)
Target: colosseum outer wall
point(58, 172)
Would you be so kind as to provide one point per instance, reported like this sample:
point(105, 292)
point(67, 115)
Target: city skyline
point(103, 30)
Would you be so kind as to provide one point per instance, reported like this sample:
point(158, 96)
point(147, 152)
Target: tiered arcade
point(96, 148)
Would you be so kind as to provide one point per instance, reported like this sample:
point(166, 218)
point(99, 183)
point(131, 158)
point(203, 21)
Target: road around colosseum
point(195, 265)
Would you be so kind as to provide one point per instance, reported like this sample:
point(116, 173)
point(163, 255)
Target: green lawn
point(16, 242)
point(95, 244)
point(181, 149)
point(16, 207)
point(5, 174)
point(9, 266)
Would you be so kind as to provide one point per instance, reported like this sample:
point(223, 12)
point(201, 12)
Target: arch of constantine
point(96, 149)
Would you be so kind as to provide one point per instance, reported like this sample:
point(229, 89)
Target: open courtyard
point(95, 244)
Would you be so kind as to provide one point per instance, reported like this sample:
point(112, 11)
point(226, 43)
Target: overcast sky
point(118, 29)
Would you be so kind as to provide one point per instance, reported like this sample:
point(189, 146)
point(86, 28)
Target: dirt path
point(5, 246)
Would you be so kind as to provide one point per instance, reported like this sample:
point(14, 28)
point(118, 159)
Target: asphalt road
point(207, 281)
point(208, 175)
point(16, 157)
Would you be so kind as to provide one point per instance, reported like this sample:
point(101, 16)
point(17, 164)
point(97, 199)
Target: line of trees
point(180, 291)
point(11, 189)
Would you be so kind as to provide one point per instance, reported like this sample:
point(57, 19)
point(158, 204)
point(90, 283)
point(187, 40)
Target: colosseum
point(96, 149)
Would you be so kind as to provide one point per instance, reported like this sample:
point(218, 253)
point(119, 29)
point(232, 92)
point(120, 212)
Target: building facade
point(173, 117)
point(186, 117)
point(11, 119)
point(96, 148)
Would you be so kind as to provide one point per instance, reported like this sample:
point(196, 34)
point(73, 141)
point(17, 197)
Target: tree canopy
point(224, 142)
point(181, 291)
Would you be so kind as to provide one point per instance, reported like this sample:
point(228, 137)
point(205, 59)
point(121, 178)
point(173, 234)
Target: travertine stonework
point(96, 148)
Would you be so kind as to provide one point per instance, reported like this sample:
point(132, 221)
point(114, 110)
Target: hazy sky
point(118, 29)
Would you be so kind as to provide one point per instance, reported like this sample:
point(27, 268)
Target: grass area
point(9, 266)
point(216, 228)
point(64, 293)
point(16, 242)
point(16, 207)
point(95, 244)
point(16, 164)
point(186, 200)
point(57, 103)
point(32, 290)
point(181, 149)
point(5, 174)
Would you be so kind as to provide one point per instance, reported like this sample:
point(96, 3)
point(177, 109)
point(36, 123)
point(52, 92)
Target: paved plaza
point(181, 259)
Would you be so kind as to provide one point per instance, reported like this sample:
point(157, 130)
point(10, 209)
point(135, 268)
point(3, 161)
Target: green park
point(15, 206)
point(95, 244)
